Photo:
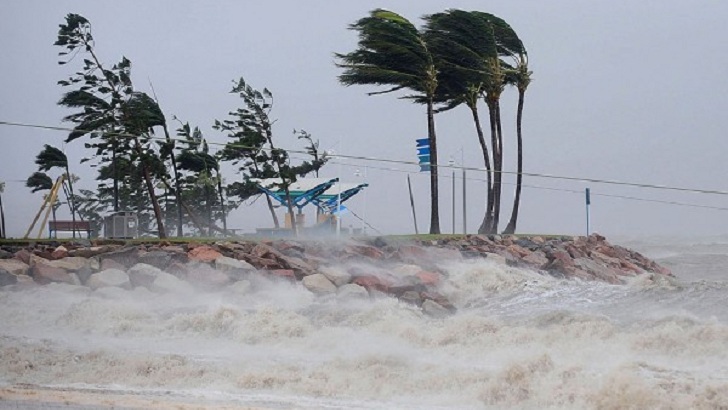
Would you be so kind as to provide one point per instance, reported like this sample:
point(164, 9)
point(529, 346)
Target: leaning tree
point(393, 52)
point(109, 105)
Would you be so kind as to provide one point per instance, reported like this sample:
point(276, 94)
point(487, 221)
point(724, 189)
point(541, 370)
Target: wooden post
point(412, 203)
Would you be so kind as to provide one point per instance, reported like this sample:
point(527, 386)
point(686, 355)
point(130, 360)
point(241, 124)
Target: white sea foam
point(519, 339)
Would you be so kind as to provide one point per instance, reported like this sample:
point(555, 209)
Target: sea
point(519, 339)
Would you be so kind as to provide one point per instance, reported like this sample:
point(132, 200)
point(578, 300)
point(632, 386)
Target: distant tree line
point(457, 58)
point(174, 184)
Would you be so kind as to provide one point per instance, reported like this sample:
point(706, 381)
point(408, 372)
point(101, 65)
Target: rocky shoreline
point(356, 268)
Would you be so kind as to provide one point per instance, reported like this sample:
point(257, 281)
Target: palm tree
point(464, 47)
point(51, 157)
point(393, 52)
point(521, 78)
point(40, 181)
point(3, 233)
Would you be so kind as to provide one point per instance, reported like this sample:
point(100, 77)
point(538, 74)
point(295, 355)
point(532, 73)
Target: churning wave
point(519, 339)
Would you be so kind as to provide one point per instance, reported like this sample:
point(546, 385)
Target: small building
point(121, 225)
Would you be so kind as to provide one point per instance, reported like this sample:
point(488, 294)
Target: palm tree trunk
point(208, 205)
point(498, 177)
point(511, 228)
point(488, 222)
point(150, 188)
point(434, 197)
point(222, 202)
point(486, 159)
point(3, 234)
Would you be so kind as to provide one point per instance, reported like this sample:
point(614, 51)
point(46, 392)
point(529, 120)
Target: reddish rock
point(23, 255)
point(518, 251)
point(283, 273)
point(59, 252)
point(44, 273)
point(537, 259)
point(411, 254)
point(439, 299)
point(203, 254)
point(429, 278)
point(630, 268)
point(372, 283)
point(366, 251)
point(260, 263)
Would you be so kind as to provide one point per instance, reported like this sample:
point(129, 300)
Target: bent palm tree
point(464, 47)
point(392, 52)
point(521, 78)
point(51, 157)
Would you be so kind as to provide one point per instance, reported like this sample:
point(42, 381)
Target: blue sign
point(423, 153)
point(340, 210)
point(588, 196)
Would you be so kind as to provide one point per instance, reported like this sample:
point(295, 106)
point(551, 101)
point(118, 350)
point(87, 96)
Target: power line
point(394, 161)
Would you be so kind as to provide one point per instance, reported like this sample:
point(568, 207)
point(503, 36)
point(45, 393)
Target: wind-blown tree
point(393, 52)
point(251, 130)
point(464, 47)
point(40, 181)
point(50, 158)
point(110, 107)
point(195, 157)
point(3, 233)
point(520, 77)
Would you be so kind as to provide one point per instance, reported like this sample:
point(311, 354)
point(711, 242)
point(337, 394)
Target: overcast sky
point(622, 90)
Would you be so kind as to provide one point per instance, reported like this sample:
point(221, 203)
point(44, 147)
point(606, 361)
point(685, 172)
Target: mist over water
point(519, 339)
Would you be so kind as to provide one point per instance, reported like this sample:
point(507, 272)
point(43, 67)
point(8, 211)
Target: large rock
point(337, 276)
point(59, 252)
point(14, 266)
point(231, 265)
point(126, 257)
point(352, 291)
point(7, 278)
point(434, 309)
point(107, 278)
point(5, 254)
point(203, 254)
point(74, 263)
point(44, 273)
point(205, 277)
point(158, 259)
point(168, 283)
point(144, 275)
point(319, 284)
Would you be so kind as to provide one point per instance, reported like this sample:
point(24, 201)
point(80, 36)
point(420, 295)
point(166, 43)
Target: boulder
point(144, 275)
point(127, 257)
point(434, 309)
point(43, 273)
point(168, 283)
point(537, 259)
point(59, 252)
point(23, 255)
point(337, 276)
point(7, 278)
point(5, 254)
point(429, 278)
point(88, 252)
point(319, 284)
point(74, 263)
point(14, 266)
point(111, 264)
point(158, 259)
point(203, 253)
point(231, 265)
point(283, 273)
point(411, 297)
point(496, 258)
point(371, 282)
point(352, 291)
point(206, 277)
point(366, 251)
point(241, 287)
point(110, 277)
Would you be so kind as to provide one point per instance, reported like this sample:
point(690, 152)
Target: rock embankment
point(409, 270)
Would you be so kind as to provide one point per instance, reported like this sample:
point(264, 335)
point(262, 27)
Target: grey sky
point(622, 90)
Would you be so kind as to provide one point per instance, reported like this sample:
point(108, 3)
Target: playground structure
point(327, 195)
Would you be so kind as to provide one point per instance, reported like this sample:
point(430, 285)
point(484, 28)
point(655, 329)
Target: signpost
point(588, 203)
point(423, 153)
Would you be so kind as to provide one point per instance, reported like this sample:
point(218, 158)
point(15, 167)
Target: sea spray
point(519, 338)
